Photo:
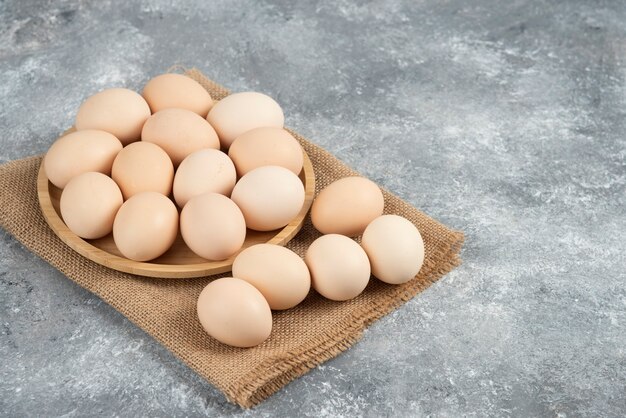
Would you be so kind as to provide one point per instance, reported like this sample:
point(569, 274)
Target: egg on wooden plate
point(119, 111)
point(212, 226)
point(143, 167)
point(89, 204)
point(179, 132)
point(80, 152)
point(241, 112)
point(207, 170)
point(145, 226)
point(177, 91)
point(266, 146)
point(269, 197)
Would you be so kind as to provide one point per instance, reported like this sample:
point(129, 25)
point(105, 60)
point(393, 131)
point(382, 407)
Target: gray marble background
point(505, 119)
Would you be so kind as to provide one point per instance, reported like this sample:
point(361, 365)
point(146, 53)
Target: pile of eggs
point(148, 167)
point(130, 152)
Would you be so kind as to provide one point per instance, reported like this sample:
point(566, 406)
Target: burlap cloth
point(303, 337)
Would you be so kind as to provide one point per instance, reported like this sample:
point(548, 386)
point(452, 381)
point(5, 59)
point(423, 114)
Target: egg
point(177, 91)
point(80, 152)
point(347, 206)
point(121, 112)
point(212, 226)
point(277, 272)
point(266, 146)
point(395, 248)
point(269, 197)
point(89, 204)
point(145, 226)
point(234, 312)
point(340, 269)
point(207, 170)
point(242, 112)
point(179, 132)
point(143, 167)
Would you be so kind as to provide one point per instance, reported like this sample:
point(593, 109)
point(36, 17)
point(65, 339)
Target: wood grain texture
point(179, 261)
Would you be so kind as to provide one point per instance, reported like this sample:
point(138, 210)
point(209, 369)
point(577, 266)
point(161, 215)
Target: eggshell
point(177, 91)
point(234, 312)
point(80, 152)
point(121, 112)
point(241, 112)
point(266, 146)
point(207, 170)
point(339, 267)
point(269, 197)
point(143, 167)
point(395, 248)
point(179, 132)
point(277, 272)
point(347, 206)
point(145, 226)
point(89, 204)
point(212, 226)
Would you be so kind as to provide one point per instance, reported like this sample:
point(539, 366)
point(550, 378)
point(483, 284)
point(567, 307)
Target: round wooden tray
point(179, 261)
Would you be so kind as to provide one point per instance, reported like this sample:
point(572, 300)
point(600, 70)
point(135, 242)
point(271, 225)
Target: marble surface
point(506, 120)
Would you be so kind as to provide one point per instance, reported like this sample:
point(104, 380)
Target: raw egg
point(145, 226)
point(89, 204)
point(121, 112)
point(234, 312)
point(241, 112)
point(277, 272)
point(177, 91)
point(269, 197)
point(340, 269)
point(395, 248)
point(80, 152)
point(179, 132)
point(143, 167)
point(347, 206)
point(207, 170)
point(266, 146)
point(212, 226)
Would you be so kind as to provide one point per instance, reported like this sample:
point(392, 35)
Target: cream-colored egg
point(395, 248)
point(89, 204)
point(143, 167)
point(277, 272)
point(234, 312)
point(179, 132)
point(212, 226)
point(177, 91)
point(241, 112)
point(347, 206)
point(121, 112)
point(145, 226)
point(266, 146)
point(339, 267)
point(207, 170)
point(269, 197)
point(80, 152)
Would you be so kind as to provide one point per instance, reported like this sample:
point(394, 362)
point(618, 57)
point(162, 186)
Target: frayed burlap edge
point(277, 372)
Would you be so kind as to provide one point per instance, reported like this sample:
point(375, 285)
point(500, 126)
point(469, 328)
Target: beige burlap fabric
point(303, 337)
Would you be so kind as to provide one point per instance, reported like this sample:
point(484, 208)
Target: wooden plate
point(179, 261)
